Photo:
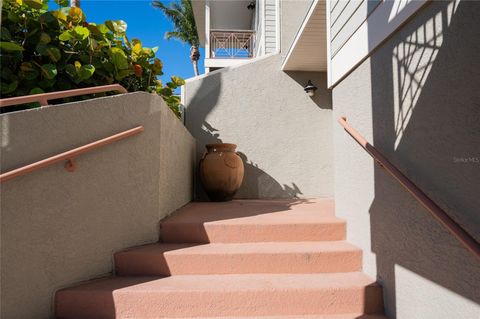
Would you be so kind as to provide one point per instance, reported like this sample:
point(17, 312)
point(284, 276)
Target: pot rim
point(221, 145)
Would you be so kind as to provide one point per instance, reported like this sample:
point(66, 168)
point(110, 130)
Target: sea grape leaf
point(10, 46)
point(49, 71)
point(35, 4)
point(86, 71)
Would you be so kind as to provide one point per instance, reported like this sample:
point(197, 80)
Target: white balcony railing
point(232, 44)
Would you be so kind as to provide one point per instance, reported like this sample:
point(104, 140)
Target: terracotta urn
point(221, 171)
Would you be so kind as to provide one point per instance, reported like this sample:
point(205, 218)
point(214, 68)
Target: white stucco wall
point(285, 136)
point(292, 15)
point(416, 99)
point(59, 228)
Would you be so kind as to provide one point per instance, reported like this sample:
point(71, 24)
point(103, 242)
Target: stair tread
point(265, 259)
point(243, 248)
point(340, 316)
point(229, 282)
point(257, 212)
point(239, 258)
point(222, 295)
point(254, 221)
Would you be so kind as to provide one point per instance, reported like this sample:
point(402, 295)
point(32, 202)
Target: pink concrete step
point(254, 221)
point(265, 257)
point(222, 295)
point(341, 316)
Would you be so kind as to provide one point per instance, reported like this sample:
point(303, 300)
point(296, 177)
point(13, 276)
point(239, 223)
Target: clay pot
point(221, 171)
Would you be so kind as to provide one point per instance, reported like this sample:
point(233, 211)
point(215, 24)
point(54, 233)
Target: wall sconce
point(251, 5)
point(310, 88)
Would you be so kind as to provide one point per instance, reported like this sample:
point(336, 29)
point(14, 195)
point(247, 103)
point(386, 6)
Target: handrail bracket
point(70, 165)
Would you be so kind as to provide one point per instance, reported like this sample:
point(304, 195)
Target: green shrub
point(44, 50)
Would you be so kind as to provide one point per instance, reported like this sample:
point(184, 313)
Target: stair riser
point(136, 264)
point(342, 316)
point(141, 304)
point(235, 233)
point(238, 259)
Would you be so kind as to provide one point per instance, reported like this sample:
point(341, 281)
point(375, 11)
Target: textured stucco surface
point(417, 100)
point(284, 135)
point(292, 15)
point(59, 228)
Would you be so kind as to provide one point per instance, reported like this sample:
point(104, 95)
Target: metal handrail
point(438, 213)
point(70, 155)
point(43, 98)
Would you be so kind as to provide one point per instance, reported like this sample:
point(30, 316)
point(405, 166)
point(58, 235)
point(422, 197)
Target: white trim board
point(277, 25)
point(329, 42)
point(380, 24)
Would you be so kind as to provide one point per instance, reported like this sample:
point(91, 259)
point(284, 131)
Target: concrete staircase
point(242, 259)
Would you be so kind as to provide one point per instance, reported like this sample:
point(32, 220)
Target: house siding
point(270, 26)
point(346, 18)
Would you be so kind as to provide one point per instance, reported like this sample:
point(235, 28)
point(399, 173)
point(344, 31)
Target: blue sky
point(149, 25)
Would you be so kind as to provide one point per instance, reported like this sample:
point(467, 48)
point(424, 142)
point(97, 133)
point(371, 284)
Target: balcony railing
point(232, 44)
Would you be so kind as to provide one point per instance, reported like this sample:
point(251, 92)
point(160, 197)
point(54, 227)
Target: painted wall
point(293, 12)
point(59, 228)
point(284, 135)
point(417, 100)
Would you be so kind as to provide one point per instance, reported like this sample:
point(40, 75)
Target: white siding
point(270, 26)
point(357, 27)
point(345, 19)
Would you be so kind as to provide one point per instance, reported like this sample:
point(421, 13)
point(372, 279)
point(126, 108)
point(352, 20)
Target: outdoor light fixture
point(310, 88)
point(251, 5)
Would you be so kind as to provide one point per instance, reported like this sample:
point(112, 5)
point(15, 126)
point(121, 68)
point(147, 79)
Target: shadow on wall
point(256, 183)
point(322, 97)
point(426, 115)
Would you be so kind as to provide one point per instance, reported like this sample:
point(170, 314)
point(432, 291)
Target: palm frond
point(178, 35)
point(181, 15)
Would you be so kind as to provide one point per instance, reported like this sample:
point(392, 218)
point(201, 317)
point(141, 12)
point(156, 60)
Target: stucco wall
point(417, 100)
point(284, 135)
point(59, 228)
point(293, 13)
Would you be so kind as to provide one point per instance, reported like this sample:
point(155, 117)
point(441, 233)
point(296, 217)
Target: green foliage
point(185, 29)
point(44, 50)
point(181, 14)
